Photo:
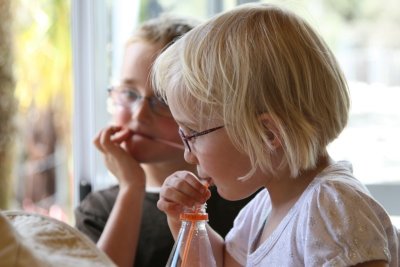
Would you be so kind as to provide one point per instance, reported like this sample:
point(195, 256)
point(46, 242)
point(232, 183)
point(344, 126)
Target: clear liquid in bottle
point(192, 247)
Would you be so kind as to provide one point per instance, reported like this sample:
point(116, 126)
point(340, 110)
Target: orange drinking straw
point(193, 218)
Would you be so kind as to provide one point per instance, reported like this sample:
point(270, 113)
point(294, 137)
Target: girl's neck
point(157, 172)
point(285, 191)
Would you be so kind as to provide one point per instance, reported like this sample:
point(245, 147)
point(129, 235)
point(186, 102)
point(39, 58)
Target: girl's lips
point(207, 181)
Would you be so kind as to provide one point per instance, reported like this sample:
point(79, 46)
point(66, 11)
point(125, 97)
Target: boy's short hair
point(163, 30)
point(252, 60)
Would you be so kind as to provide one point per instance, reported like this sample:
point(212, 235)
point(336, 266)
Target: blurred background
point(57, 57)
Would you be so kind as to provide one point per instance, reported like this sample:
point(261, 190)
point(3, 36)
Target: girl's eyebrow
point(182, 124)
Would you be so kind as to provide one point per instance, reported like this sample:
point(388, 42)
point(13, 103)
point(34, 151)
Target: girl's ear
point(271, 129)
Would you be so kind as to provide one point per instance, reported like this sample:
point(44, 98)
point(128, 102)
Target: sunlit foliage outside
point(44, 92)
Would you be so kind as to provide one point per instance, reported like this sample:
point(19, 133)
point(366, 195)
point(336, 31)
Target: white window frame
point(89, 44)
point(93, 71)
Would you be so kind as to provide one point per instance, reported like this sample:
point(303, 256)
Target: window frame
point(89, 44)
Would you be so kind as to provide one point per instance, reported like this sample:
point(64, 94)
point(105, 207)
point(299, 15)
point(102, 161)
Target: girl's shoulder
point(337, 212)
point(337, 182)
point(336, 193)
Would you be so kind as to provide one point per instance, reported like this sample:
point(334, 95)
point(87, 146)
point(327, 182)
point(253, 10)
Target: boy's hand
point(118, 161)
point(181, 189)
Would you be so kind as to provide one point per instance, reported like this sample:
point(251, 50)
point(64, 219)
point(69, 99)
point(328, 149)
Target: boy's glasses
point(129, 98)
point(187, 138)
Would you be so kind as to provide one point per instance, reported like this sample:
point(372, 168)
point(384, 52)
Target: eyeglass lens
point(184, 139)
point(129, 98)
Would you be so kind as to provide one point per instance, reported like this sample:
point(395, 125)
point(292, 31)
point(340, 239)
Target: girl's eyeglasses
point(129, 98)
point(187, 138)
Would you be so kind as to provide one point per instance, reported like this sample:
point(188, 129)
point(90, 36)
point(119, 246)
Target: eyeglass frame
point(151, 99)
point(186, 138)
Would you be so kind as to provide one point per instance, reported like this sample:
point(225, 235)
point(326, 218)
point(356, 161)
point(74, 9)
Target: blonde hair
point(259, 59)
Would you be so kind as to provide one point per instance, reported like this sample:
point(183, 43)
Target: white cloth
point(34, 240)
point(335, 222)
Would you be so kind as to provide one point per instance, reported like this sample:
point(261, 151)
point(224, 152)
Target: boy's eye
point(130, 95)
point(157, 102)
point(161, 100)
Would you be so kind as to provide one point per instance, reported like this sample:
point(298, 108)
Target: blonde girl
point(258, 96)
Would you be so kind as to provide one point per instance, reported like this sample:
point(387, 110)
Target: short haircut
point(259, 59)
point(163, 30)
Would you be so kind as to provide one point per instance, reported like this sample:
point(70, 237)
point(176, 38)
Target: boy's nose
point(141, 109)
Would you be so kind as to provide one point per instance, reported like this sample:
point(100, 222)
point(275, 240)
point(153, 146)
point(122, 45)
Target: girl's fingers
point(170, 208)
point(195, 188)
point(184, 188)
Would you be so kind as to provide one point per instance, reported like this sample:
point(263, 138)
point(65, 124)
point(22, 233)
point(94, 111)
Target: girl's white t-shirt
point(335, 222)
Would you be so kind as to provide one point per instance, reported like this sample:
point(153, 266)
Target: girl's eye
point(187, 131)
point(191, 131)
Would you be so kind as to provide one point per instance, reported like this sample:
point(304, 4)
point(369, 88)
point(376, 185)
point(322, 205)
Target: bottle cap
point(188, 216)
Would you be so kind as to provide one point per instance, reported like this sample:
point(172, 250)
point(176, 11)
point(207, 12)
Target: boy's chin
point(148, 155)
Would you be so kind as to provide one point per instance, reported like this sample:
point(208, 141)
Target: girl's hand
point(181, 189)
point(118, 161)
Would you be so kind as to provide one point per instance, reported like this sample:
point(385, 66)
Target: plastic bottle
point(192, 247)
